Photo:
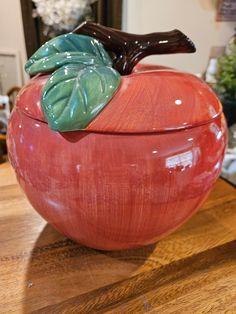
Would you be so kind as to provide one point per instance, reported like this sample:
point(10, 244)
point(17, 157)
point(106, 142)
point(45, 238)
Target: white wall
point(196, 18)
point(11, 30)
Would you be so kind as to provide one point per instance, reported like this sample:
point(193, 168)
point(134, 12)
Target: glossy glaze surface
point(149, 100)
point(115, 191)
point(81, 83)
point(128, 49)
point(47, 273)
point(66, 49)
point(86, 65)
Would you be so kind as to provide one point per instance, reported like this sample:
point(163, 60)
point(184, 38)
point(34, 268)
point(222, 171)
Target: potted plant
point(226, 81)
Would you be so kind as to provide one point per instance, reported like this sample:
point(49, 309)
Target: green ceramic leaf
point(75, 94)
point(62, 58)
point(52, 53)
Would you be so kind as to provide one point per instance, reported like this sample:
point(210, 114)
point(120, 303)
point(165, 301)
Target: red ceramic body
point(122, 184)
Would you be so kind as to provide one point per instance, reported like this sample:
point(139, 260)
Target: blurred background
point(25, 25)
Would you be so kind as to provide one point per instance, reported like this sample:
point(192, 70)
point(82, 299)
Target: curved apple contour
point(151, 99)
point(132, 186)
point(148, 150)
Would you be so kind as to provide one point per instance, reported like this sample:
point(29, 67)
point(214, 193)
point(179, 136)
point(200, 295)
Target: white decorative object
point(62, 15)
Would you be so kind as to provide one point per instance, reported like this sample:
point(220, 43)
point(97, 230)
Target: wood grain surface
point(191, 271)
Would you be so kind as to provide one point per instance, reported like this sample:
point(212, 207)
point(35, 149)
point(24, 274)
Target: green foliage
point(226, 75)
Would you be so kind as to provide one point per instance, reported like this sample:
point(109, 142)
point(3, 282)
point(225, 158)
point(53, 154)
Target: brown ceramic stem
point(127, 49)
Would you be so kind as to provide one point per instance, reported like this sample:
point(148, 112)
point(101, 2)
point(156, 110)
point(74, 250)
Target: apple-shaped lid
point(91, 95)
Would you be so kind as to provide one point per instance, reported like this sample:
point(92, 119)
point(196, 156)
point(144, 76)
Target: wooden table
point(191, 271)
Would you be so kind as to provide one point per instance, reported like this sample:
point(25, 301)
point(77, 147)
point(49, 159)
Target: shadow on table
point(59, 269)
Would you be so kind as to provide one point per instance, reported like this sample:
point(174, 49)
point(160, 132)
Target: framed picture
point(226, 11)
point(10, 70)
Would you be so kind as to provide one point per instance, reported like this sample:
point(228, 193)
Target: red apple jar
point(139, 170)
point(114, 154)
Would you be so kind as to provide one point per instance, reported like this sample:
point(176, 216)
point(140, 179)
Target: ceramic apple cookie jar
point(114, 154)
